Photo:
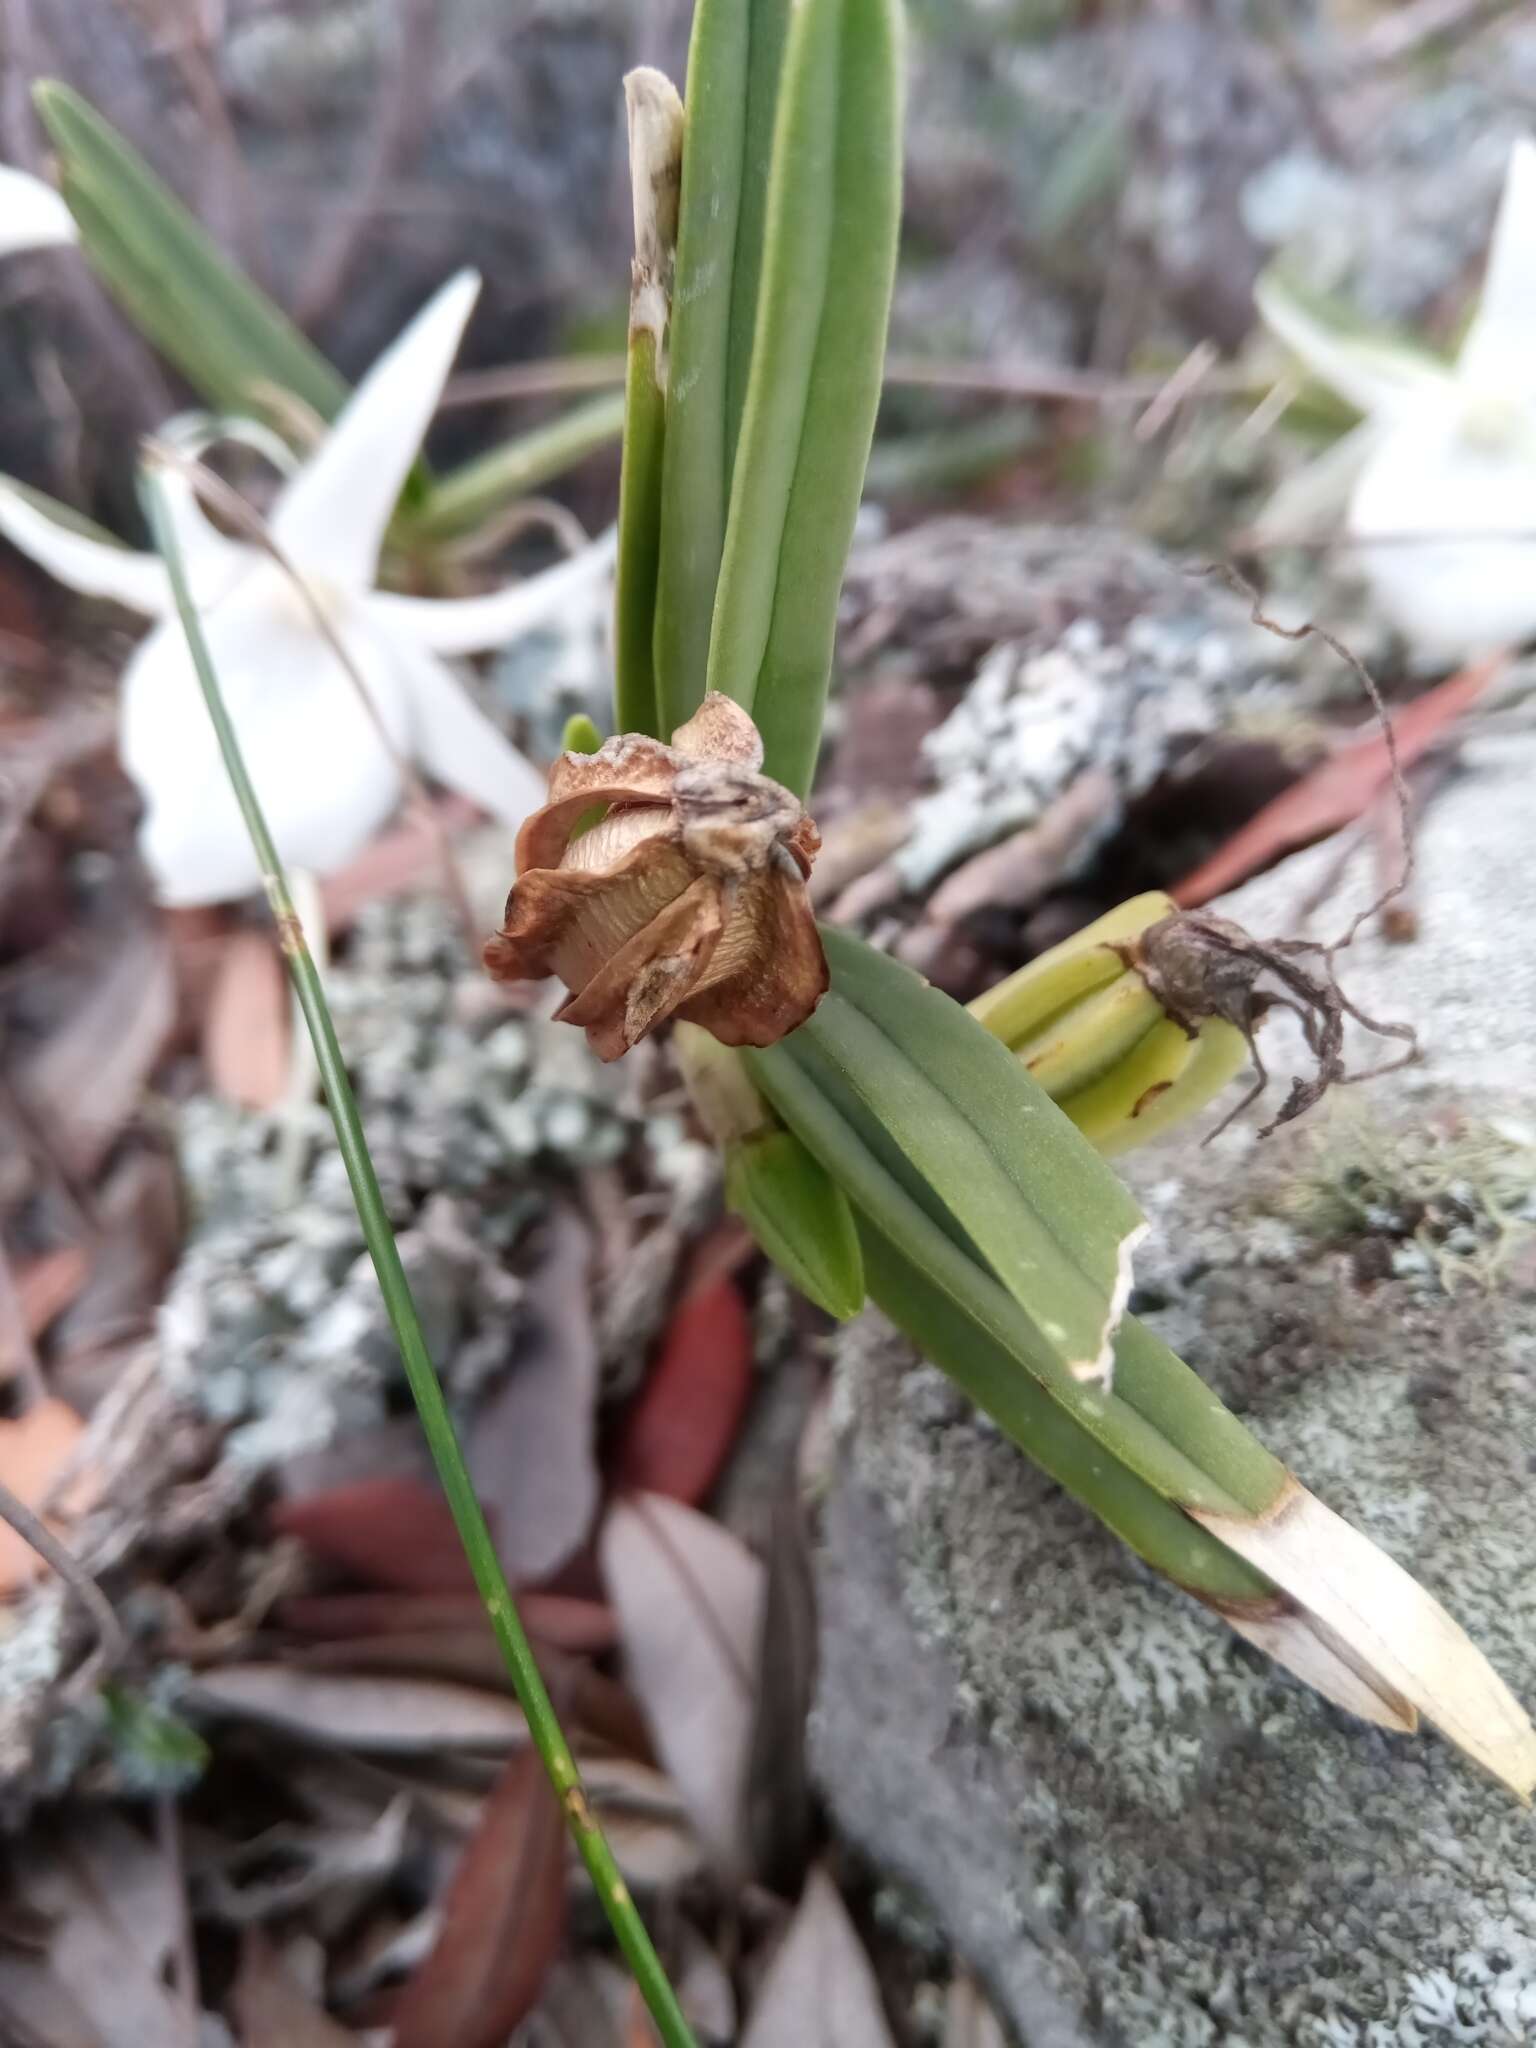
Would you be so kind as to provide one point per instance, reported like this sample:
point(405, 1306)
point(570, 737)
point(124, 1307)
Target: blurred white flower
point(32, 215)
point(1439, 478)
point(326, 777)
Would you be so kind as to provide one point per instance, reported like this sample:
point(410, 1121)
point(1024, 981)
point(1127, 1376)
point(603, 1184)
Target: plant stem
point(426, 1389)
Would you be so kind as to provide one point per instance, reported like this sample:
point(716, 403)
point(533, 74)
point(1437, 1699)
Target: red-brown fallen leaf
point(47, 1284)
point(34, 1449)
point(247, 1026)
point(271, 2010)
point(686, 1417)
point(393, 1531)
point(85, 1080)
point(577, 1626)
point(503, 1921)
point(1340, 790)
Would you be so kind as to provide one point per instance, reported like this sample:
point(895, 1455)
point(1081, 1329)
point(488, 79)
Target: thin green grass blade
point(426, 1389)
point(636, 698)
point(828, 266)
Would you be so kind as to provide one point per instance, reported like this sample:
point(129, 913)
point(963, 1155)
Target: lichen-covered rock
point(1081, 648)
point(1139, 1829)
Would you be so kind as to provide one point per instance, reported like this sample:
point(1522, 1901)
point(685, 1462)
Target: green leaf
point(581, 736)
point(829, 254)
point(1159, 1419)
point(996, 1379)
point(203, 314)
point(799, 1216)
point(732, 81)
point(918, 1077)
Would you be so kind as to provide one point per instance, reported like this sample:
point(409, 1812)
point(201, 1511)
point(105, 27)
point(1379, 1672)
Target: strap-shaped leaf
point(733, 68)
point(995, 1379)
point(1159, 1420)
point(995, 1150)
point(828, 265)
point(202, 313)
point(800, 1217)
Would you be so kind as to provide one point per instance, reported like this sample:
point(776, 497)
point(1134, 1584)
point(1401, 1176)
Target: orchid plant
point(883, 1142)
point(333, 684)
point(1437, 483)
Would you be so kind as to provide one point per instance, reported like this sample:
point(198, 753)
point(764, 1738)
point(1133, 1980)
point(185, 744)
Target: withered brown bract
point(686, 900)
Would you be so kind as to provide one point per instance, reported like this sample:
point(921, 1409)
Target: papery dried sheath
point(686, 900)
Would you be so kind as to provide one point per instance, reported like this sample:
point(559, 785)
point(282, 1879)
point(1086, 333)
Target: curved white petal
point(1499, 352)
point(1310, 503)
point(1448, 526)
point(325, 777)
point(451, 737)
point(1376, 377)
point(94, 567)
point(464, 625)
point(331, 518)
point(32, 215)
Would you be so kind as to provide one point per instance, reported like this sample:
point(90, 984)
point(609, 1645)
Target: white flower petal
point(451, 737)
point(1310, 503)
point(1499, 352)
point(325, 776)
point(1375, 377)
point(331, 518)
point(94, 567)
point(32, 215)
point(1450, 527)
point(463, 625)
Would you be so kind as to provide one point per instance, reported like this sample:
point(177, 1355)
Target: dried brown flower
point(687, 899)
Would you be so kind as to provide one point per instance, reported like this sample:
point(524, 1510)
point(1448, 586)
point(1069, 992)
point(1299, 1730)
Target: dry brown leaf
point(531, 1453)
point(779, 1797)
point(35, 1448)
point(85, 1080)
point(247, 1028)
point(503, 1921)
point(271, 2010)
point(689, 1599)
point(969, 2021)
point(47, 1285)
point(114, 1911)
point(1381, 1622)
point(646, 1822)
point(819, 1990)
point(408, 1716)
point(561, 1621)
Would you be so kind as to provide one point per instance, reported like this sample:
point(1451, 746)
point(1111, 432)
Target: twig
point(1048, 383)
point(20, 1352)
point(35, 1532)
point(184, 1952)
point(1236, 581)
point(216, 492)
point(1414, 27)
point(401, 114)
point(1191, 373)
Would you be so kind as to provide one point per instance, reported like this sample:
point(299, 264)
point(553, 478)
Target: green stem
point(461, 500)
point(426, 1389)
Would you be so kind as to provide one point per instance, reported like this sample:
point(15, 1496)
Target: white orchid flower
point(1439, 479)
point(32, 215)
point(326, 774)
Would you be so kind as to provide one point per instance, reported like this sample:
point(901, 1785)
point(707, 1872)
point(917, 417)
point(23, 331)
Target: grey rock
point(1136, 1828)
